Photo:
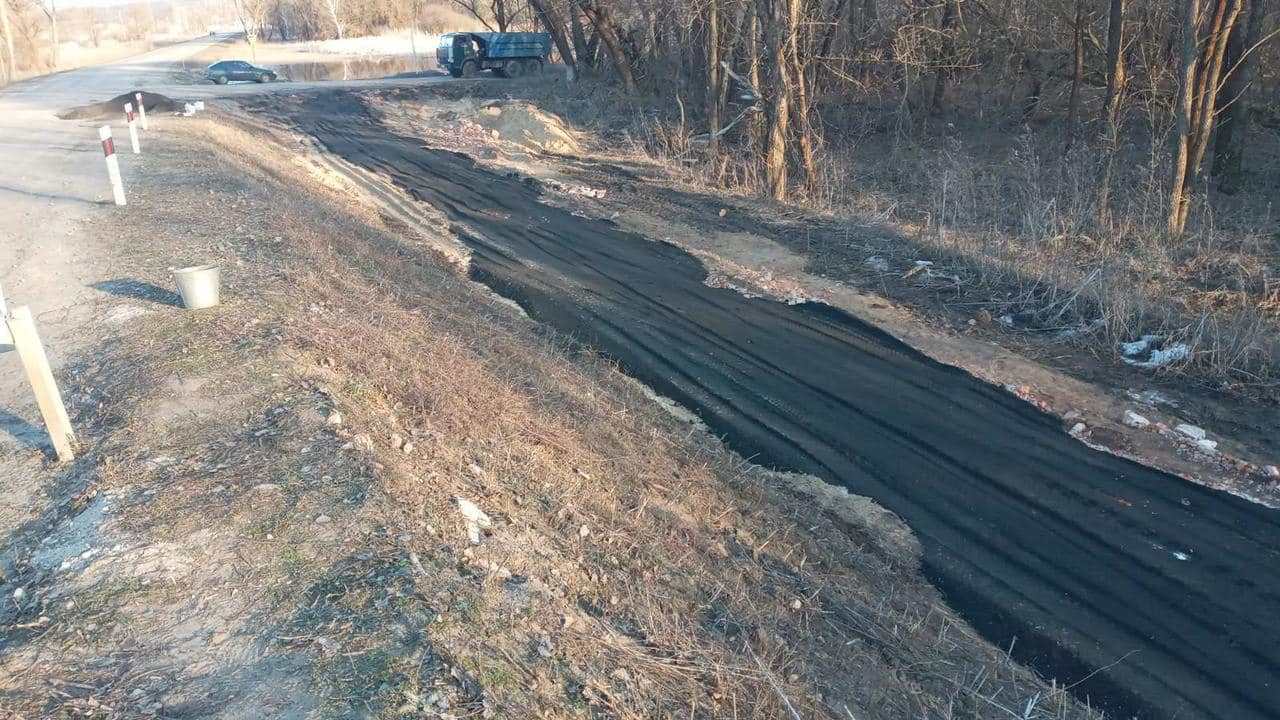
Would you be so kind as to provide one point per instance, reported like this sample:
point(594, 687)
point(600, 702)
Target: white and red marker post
point(133, 127)
point(113, 163)
point(142, 109)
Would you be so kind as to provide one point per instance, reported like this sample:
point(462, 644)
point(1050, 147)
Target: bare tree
point(713, 73)
point(607, 29)
point(546, 13)
point(11, 67)
point(1114, 100)
point(777, 36)
point(1241, 59)
point(1199, 77)
point(335, 14)
point(1077, 73)
point(252, 15)
point(51, 12)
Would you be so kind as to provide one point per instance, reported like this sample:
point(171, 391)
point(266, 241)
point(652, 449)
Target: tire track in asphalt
point(1020, 524)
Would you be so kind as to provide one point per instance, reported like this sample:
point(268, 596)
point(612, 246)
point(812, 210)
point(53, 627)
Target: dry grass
point(1009, 214)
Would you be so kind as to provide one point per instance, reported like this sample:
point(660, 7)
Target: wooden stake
point(4, 313)
point(23, 330)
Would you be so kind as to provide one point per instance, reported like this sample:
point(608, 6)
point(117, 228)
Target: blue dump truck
point(507, 54)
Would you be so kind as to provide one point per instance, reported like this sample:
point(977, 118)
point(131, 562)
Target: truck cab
point(511, 54)
point(453, 52)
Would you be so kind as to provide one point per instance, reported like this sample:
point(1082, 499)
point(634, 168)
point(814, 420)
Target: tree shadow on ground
point(139, 290)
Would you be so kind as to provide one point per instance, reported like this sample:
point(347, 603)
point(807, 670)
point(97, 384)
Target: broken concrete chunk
point(877, 263)
point(475, 518)
point(1133, 419)
point(1191, 431)
point(1209, 446)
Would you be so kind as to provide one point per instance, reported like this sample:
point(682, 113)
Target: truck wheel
point(532, 67)
point(470, 68)
point(455, 72)
point(513, 69)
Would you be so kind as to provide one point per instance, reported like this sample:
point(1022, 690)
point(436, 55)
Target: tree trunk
point(1229, 147)
point(1077, 75)
point(11, 69)
point(1115, 54)
point(500, 15)
point(1116, 82)
point(581, 49)
point(778, 96)
point(52, 13)
point(1211, 69)
point(803, 110)
point(946, 55)
point(607, 31)
point(1179, 201)
point(546, 12)
point(337, 20)
point(713, 73)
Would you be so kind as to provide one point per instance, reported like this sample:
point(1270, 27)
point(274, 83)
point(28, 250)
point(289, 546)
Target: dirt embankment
point(1079, 555)
point(113, 108)
point(364, 485)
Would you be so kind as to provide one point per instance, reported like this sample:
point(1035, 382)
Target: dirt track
point(1029, 533)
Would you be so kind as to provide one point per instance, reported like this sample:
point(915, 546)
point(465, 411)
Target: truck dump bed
point(514, 44)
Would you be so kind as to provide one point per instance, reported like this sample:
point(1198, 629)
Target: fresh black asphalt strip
point(1155, 597)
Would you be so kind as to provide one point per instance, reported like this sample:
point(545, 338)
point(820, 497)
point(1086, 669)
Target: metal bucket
point(199, 285)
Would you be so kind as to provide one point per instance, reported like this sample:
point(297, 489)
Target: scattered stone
point(1133, 419)
point(407, 448)
point(1078, 429)
point(724, 211)
point(475, 470)
point(363, 443)
point(335, 418)
point(1271, 471)
point(621, 674)
point(1005, 320)
point(1208, 446)
point(397, 441)
point(584, 531)
point(322, 519)
point(1191, 431)
point(476, 519)
point(795, 604)
point(1140, 345)
point(19, 594)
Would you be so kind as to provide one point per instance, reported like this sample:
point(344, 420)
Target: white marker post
point(133, 127)
point(113, 164)
point(142, 109)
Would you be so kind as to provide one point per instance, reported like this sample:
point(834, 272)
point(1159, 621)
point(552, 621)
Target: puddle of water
point(358, 69)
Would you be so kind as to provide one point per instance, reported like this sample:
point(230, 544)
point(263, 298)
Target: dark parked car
point(227, 70)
